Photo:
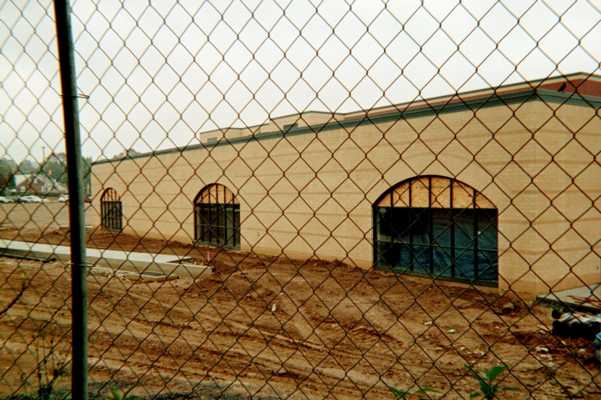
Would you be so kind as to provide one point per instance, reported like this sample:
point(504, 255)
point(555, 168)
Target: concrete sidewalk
point(117, 260)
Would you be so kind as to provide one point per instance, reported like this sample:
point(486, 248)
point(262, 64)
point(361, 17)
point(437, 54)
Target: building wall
point(36, 217)
point(312, 194)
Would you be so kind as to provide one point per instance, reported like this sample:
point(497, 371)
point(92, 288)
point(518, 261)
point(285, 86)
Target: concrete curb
point(142, 264)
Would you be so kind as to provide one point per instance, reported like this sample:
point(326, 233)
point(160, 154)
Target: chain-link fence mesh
point(307, 199)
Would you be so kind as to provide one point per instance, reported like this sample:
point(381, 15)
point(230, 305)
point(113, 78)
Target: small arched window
point(217, 217)
point(436, 226)
point(111, 210)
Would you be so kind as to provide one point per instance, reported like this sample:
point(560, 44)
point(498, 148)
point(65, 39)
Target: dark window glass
point(442, 235)
point(487, 245)
point(111, 215)
point(465, 244)
point(218, 224)
point(450, 243)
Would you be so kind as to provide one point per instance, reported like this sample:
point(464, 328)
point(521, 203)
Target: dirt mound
point(271, 327)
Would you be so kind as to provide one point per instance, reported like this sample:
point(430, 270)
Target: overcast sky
point(159, 72)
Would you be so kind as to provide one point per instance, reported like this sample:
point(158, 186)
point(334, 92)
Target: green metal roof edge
point(494, 99)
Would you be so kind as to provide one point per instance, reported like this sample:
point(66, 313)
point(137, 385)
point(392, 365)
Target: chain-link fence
point(305, 199)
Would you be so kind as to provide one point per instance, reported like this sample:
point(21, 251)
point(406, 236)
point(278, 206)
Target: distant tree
point(7, 174)
point(55, 167)
point(127, 153)
point(133, 152)
point(28, 166)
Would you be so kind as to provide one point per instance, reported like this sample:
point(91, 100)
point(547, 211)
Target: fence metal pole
point(79, 317)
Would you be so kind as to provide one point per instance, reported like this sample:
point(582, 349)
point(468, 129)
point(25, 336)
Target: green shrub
point(417, 392)
point(488, 388)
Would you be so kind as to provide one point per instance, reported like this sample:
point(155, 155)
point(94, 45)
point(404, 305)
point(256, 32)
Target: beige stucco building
point(514, 175)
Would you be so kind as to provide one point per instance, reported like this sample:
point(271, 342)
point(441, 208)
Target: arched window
point(217, 217)
point(111, 210)
point(436, 226)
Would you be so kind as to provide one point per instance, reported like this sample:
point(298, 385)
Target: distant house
point(38, 184)
point(7, 183)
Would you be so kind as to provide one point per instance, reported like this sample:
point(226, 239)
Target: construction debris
point(576, 324)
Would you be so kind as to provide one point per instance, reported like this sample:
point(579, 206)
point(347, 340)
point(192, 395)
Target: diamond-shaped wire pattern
point(306, 199)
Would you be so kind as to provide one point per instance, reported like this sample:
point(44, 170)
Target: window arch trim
point(215, 193)
point(433, 191)
point(217, 217)
point(110, 194)
point(437, 227)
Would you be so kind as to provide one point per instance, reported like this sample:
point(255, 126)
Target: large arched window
point(217, 217)
point(111, 210)
point(436, 226)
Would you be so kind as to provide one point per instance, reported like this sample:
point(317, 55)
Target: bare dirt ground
point(267, 327)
